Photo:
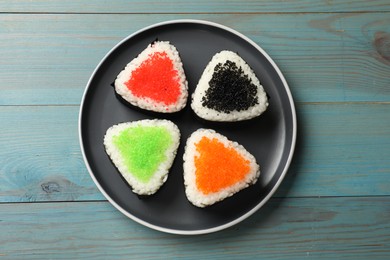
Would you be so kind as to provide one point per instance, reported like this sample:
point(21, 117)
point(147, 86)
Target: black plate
point(270, 138)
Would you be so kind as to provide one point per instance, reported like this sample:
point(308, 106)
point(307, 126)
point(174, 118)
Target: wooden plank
point(315, 228)
point(187, 6)
point(40, 157)
point(47, 59)
point(342, 150)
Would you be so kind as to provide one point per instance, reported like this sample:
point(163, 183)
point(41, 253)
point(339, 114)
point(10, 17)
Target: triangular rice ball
point(216, 168)
point(155, 80)
point(228, 90)
point(143, 152)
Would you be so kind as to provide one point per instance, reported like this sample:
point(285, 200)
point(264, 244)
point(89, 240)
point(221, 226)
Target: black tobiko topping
point(230, 89)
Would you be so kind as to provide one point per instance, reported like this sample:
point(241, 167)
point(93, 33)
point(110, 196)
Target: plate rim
point(242, 217)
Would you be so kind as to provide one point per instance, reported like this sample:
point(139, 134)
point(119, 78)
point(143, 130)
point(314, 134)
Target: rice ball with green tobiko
point(228, 90)
point(143, 152)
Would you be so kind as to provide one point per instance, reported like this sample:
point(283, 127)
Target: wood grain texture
point(335, 200)
point(313, 228)
point(40, 159)
point(325, 57)
point(187, 6)
point(342, 150)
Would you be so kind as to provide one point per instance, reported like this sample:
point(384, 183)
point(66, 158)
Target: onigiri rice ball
point(155, 79)
point(143, 152)
point(216, 168)
point(228, 90)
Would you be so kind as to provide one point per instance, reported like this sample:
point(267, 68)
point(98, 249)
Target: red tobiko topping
point(156, 78)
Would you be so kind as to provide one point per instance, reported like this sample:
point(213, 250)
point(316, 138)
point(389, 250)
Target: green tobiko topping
point(143, 149)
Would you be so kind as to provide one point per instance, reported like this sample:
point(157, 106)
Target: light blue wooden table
point(335, 200)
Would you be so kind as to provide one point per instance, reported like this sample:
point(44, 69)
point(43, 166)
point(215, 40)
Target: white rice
point(147, 103)
point(161, 175)
point(196, 196)
point(203, 84)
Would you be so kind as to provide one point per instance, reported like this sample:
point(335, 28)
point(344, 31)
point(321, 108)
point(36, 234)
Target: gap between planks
point(192, 13)
point(272, 198)
point(296, 103)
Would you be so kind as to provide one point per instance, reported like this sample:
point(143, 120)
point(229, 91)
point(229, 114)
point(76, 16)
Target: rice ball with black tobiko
point(228, 90)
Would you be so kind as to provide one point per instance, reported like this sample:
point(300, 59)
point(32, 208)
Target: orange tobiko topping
point(218, 166)
point(156, 78)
